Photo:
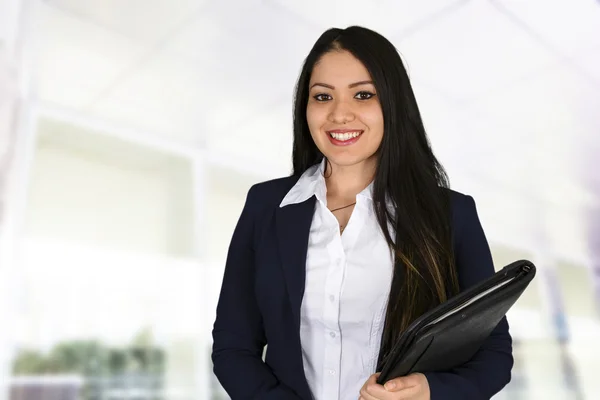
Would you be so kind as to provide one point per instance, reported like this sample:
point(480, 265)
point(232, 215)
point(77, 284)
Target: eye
point(322, 97)
point(364, 95)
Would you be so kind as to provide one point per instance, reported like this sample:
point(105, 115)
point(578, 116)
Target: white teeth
point(345, 136)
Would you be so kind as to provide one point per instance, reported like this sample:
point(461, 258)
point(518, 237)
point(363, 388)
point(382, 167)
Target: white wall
point(101, 195)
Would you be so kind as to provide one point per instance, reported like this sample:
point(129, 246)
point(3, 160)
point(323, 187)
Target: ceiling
point(509, 90)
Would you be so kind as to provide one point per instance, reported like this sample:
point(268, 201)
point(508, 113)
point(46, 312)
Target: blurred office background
point(130, 132)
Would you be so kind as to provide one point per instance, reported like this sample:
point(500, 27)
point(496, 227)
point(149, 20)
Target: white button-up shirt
point(348, 280)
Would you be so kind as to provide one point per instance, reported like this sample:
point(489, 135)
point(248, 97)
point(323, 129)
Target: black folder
point(450, 334)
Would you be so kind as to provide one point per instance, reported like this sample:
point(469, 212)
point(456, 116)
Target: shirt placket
point(331, 313)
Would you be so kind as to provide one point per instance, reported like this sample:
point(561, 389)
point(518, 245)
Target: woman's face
point(343, 112)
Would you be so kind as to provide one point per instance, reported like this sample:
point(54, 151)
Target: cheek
point(314, 112)
point(374, 119)
point(315, 117)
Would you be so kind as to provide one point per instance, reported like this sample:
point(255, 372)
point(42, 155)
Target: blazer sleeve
point(238, 334)
point(490, 368)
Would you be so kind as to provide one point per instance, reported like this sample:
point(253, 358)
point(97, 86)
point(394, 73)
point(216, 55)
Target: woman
point(329, 265)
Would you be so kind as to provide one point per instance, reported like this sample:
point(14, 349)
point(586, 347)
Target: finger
point(364, 395)
point(415, 379)
point(410, 393)
point(373, 390)
point(362, 389)
point(401, 383)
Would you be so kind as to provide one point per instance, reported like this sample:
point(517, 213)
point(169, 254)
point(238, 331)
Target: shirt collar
point(312, 182)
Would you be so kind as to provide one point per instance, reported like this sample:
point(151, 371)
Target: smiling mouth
point(345, 136)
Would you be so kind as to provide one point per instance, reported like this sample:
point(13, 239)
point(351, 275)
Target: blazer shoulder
point(463, 210)
point(460, 202)
point(270, 193)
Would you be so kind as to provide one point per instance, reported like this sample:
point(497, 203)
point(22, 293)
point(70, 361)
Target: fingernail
point(389, 385)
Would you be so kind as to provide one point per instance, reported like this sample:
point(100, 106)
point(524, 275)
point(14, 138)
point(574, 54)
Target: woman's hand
point(410, 387)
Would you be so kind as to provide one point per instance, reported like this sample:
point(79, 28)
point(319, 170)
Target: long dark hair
point(408, 174)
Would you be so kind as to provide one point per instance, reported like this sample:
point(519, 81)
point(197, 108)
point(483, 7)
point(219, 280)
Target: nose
point(341, 112)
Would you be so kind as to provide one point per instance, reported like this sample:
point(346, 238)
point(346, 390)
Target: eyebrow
point(349, 86)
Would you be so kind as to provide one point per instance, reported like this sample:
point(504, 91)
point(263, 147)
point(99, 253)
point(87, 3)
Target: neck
point(347, 181)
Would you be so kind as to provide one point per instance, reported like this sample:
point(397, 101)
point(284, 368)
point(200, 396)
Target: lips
point(344, 137)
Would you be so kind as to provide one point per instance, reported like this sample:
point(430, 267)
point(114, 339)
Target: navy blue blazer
point(262, 290)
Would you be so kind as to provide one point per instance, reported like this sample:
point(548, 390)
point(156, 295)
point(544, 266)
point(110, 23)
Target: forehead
point(339, 66)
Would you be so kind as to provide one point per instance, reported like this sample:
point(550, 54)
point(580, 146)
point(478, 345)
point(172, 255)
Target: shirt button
point(331, 297)
point(332, 334)
point(331, 372)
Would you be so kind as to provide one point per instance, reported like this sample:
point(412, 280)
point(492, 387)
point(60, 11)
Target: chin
point(347, 160)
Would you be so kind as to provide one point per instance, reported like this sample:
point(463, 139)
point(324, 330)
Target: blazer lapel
point(293, 227)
